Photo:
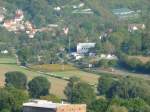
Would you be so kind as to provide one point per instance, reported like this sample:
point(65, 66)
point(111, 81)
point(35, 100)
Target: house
point(48, 106)
point(53, 25)
point(10, 25)
point(125, 13)
point(81, 5)
point(77, 56)
point(106, 34)
point(19, 15)
point(136, 27)
point(4, 52)
point(108, 57)
point(83, 48)
point(83, 11)
point(57, 8)
point(122, 11)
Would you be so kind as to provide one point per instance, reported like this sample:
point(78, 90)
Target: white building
point(4, 52)
point(48, 106)
point(77, 56)
point(83, 48)
point(57, 8)
point(108, 57)
point(136, 27)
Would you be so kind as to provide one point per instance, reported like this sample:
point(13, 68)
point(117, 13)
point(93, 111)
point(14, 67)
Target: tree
point(83, 93)
point(51, 97)
point(99, 105)
point(16, 79)
point(69, 88)
point(104, 85)
point(23, 54)
point(18, 98)
point(134, 64)
point(39, 86)
point(79, 92)
point(130, 87)
point(115, 108)
point(103, 63)
point(122, 88)
point(11, 99)
point(147, 67)
point(132, 104)
point(5, 100)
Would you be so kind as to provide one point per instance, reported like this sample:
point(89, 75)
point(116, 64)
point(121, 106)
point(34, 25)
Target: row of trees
point(39, 86)
point(17, 90)
point(114, 94)
point(134, 64)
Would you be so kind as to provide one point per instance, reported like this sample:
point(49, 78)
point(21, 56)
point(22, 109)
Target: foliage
point(133, 105)
point(99, 105)
point(69, 88)
point(39, 86)
point(104, 85)
point(16, 79)
point(51, 97)
point(79, 92)
point(114, 108)
point(11, 99)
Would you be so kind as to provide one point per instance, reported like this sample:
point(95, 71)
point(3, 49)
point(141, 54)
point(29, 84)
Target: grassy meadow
point(57, 84)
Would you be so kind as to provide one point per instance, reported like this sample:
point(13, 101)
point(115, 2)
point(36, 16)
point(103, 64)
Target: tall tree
point(70, 87)
point(80, 92)
point(39, 86)
point(104, 84)
point(11, 99)
point(16, 79)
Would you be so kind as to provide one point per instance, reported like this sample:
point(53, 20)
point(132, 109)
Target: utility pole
point(69, 45)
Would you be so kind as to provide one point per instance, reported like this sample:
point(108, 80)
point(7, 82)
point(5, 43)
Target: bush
point(51, 97)
point(16, 79)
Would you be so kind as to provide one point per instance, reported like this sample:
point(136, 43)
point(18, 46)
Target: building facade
point(47, 106)
point(83, 48)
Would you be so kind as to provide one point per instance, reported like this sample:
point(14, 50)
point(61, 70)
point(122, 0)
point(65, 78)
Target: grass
point(67, 72)
point(53, 67)
point(85, 76)
point(7, 60)
point(143, 59)
point(57, 85)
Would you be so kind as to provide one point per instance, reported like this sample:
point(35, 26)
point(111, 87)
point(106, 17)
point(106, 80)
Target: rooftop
point(43, 104)
point(122, 11)
point(86, 44)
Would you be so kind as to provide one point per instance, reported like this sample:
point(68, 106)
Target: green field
point(57, 84)
point(7, 60)
point(67, 72)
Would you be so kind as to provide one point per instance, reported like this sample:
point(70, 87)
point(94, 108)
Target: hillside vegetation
point(86, 21)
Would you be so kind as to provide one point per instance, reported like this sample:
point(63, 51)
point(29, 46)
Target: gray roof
point(43, 104)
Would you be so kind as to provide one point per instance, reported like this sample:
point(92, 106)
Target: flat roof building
point(48, 106)
point(83, 48)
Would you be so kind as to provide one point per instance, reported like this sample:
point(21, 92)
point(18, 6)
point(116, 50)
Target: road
point(124, 73)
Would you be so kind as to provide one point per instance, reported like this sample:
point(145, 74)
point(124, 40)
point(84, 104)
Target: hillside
point(93, 52)
point(55, 24)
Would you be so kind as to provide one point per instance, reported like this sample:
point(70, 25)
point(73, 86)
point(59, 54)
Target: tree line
point(113, 94)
